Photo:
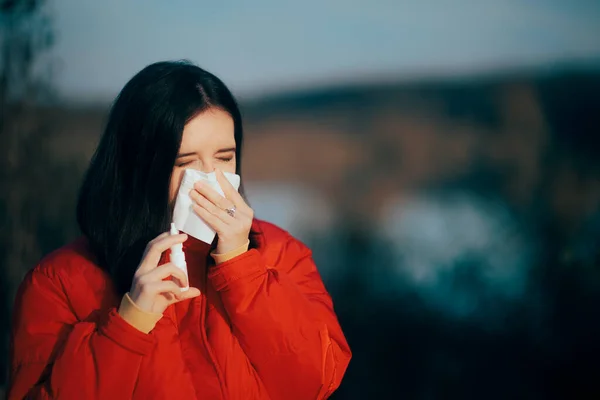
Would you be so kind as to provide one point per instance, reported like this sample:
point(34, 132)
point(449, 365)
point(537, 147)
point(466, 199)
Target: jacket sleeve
point(284, 321)
point(55, 356)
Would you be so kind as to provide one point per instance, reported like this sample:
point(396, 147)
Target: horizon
point(590, 65)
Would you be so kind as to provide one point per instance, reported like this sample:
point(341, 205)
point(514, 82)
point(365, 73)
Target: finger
point(162, 235)
point(163, 287)
point(165, 271)
point(155, 249)
point(231, 193)
point(211, 207)
point(188, 294)
point(212, 195)
point(212, 220)
point(156, 239)
point(170, 297)
point(227, 187)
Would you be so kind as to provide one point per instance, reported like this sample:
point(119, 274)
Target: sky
point(259, 47)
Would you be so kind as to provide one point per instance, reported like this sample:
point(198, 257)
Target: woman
point(100, 318)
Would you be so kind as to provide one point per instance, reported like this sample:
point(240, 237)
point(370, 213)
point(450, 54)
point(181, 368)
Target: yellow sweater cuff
point(143, 321)
point(221, 258)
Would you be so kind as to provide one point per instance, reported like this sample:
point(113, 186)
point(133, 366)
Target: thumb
point(188, 294)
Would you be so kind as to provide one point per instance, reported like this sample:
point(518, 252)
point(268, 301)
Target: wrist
point(225, 246)
point(221, 256)
point(135, 316)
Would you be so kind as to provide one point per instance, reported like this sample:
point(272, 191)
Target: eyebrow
point(227, 150)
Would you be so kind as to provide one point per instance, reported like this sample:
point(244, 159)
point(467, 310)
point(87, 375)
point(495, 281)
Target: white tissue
point(184, 217)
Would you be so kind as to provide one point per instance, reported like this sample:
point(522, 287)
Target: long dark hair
point(124, 198)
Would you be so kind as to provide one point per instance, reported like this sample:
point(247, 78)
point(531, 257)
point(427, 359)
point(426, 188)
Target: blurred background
point(441, 159)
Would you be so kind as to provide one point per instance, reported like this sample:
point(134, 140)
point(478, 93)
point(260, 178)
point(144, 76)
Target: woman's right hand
point(149, 289)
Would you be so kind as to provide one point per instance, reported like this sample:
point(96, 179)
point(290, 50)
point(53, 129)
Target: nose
point(206, 166)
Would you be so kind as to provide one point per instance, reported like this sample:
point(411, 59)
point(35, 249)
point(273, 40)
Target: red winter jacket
point(263, 328)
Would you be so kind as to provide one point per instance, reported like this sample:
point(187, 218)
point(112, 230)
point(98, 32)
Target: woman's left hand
point(229, 216)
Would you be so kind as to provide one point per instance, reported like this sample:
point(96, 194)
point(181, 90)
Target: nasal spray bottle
point(178, 256)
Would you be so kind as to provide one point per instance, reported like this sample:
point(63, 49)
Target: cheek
point(231, 167)
point(176, 177)
point(228, 166)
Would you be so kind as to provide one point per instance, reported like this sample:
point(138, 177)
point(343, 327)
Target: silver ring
point(231, 211)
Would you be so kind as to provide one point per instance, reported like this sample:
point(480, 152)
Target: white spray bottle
point(178, 256)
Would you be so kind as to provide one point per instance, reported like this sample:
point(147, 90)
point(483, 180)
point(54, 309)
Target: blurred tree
point(25, 36)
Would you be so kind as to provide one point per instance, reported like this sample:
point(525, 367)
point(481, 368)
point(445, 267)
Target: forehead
point(211, 128)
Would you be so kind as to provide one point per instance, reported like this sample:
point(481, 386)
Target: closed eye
point(181, 164)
